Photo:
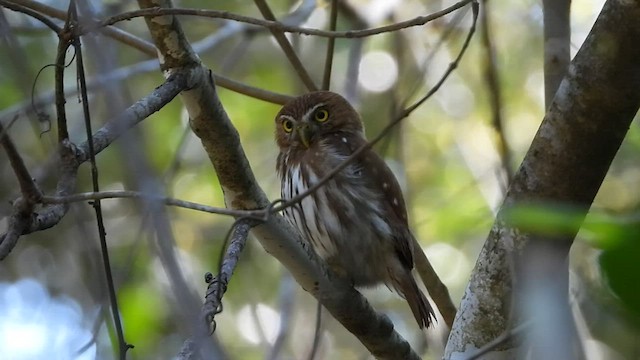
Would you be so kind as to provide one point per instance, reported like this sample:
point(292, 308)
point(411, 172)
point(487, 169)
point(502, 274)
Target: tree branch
point(70, 157)
point(286, 47)
point(492, 77)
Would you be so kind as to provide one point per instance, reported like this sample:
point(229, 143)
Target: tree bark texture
point(566, 163)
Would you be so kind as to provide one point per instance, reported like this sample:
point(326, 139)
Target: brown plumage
point(357, 222)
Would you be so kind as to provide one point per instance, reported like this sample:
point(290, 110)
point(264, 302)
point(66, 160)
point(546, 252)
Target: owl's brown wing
point(377, 176)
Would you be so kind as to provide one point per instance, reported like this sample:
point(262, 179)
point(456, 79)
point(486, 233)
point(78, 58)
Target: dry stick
point(286, 47)
point(328, 62)
point(274, 25)
point(495, 97)
point(72, 23)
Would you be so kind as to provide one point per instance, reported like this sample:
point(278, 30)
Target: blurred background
point(451, 158)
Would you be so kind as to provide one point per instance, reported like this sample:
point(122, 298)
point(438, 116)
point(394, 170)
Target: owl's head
point(309, 118)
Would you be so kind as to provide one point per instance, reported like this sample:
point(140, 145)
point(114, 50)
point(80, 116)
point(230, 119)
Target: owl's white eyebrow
point(287, 117)
point(305, 117)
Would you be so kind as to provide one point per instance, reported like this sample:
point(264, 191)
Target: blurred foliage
point(444, 155)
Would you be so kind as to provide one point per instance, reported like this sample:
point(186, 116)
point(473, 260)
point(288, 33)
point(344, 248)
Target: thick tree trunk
point(567, 162)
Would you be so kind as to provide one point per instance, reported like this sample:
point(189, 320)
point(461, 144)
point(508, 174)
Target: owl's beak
point(304, 133)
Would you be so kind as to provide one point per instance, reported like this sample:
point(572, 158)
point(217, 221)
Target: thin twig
point(125, 194)
point(285, 45)
point(64, 41)
point(274, 25)
point(72, 25)
point(495, 97)
point(328, 62)
point(317, 333)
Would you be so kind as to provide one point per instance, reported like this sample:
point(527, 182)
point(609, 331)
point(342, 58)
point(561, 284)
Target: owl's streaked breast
point(343, 237)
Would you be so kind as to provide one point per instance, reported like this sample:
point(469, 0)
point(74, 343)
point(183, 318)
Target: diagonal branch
point(328, 61)
point(72, 26)
point(286, 47)
point(492, 77)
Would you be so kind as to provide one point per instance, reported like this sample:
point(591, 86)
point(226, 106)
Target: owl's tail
point(420, 307)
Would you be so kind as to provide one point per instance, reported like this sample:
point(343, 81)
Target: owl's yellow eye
point(287, 125)
point(321, 115)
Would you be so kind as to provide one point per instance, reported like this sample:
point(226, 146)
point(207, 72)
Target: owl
point(357, 221)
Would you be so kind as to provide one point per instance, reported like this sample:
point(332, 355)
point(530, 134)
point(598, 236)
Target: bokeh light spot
point(378, 71)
